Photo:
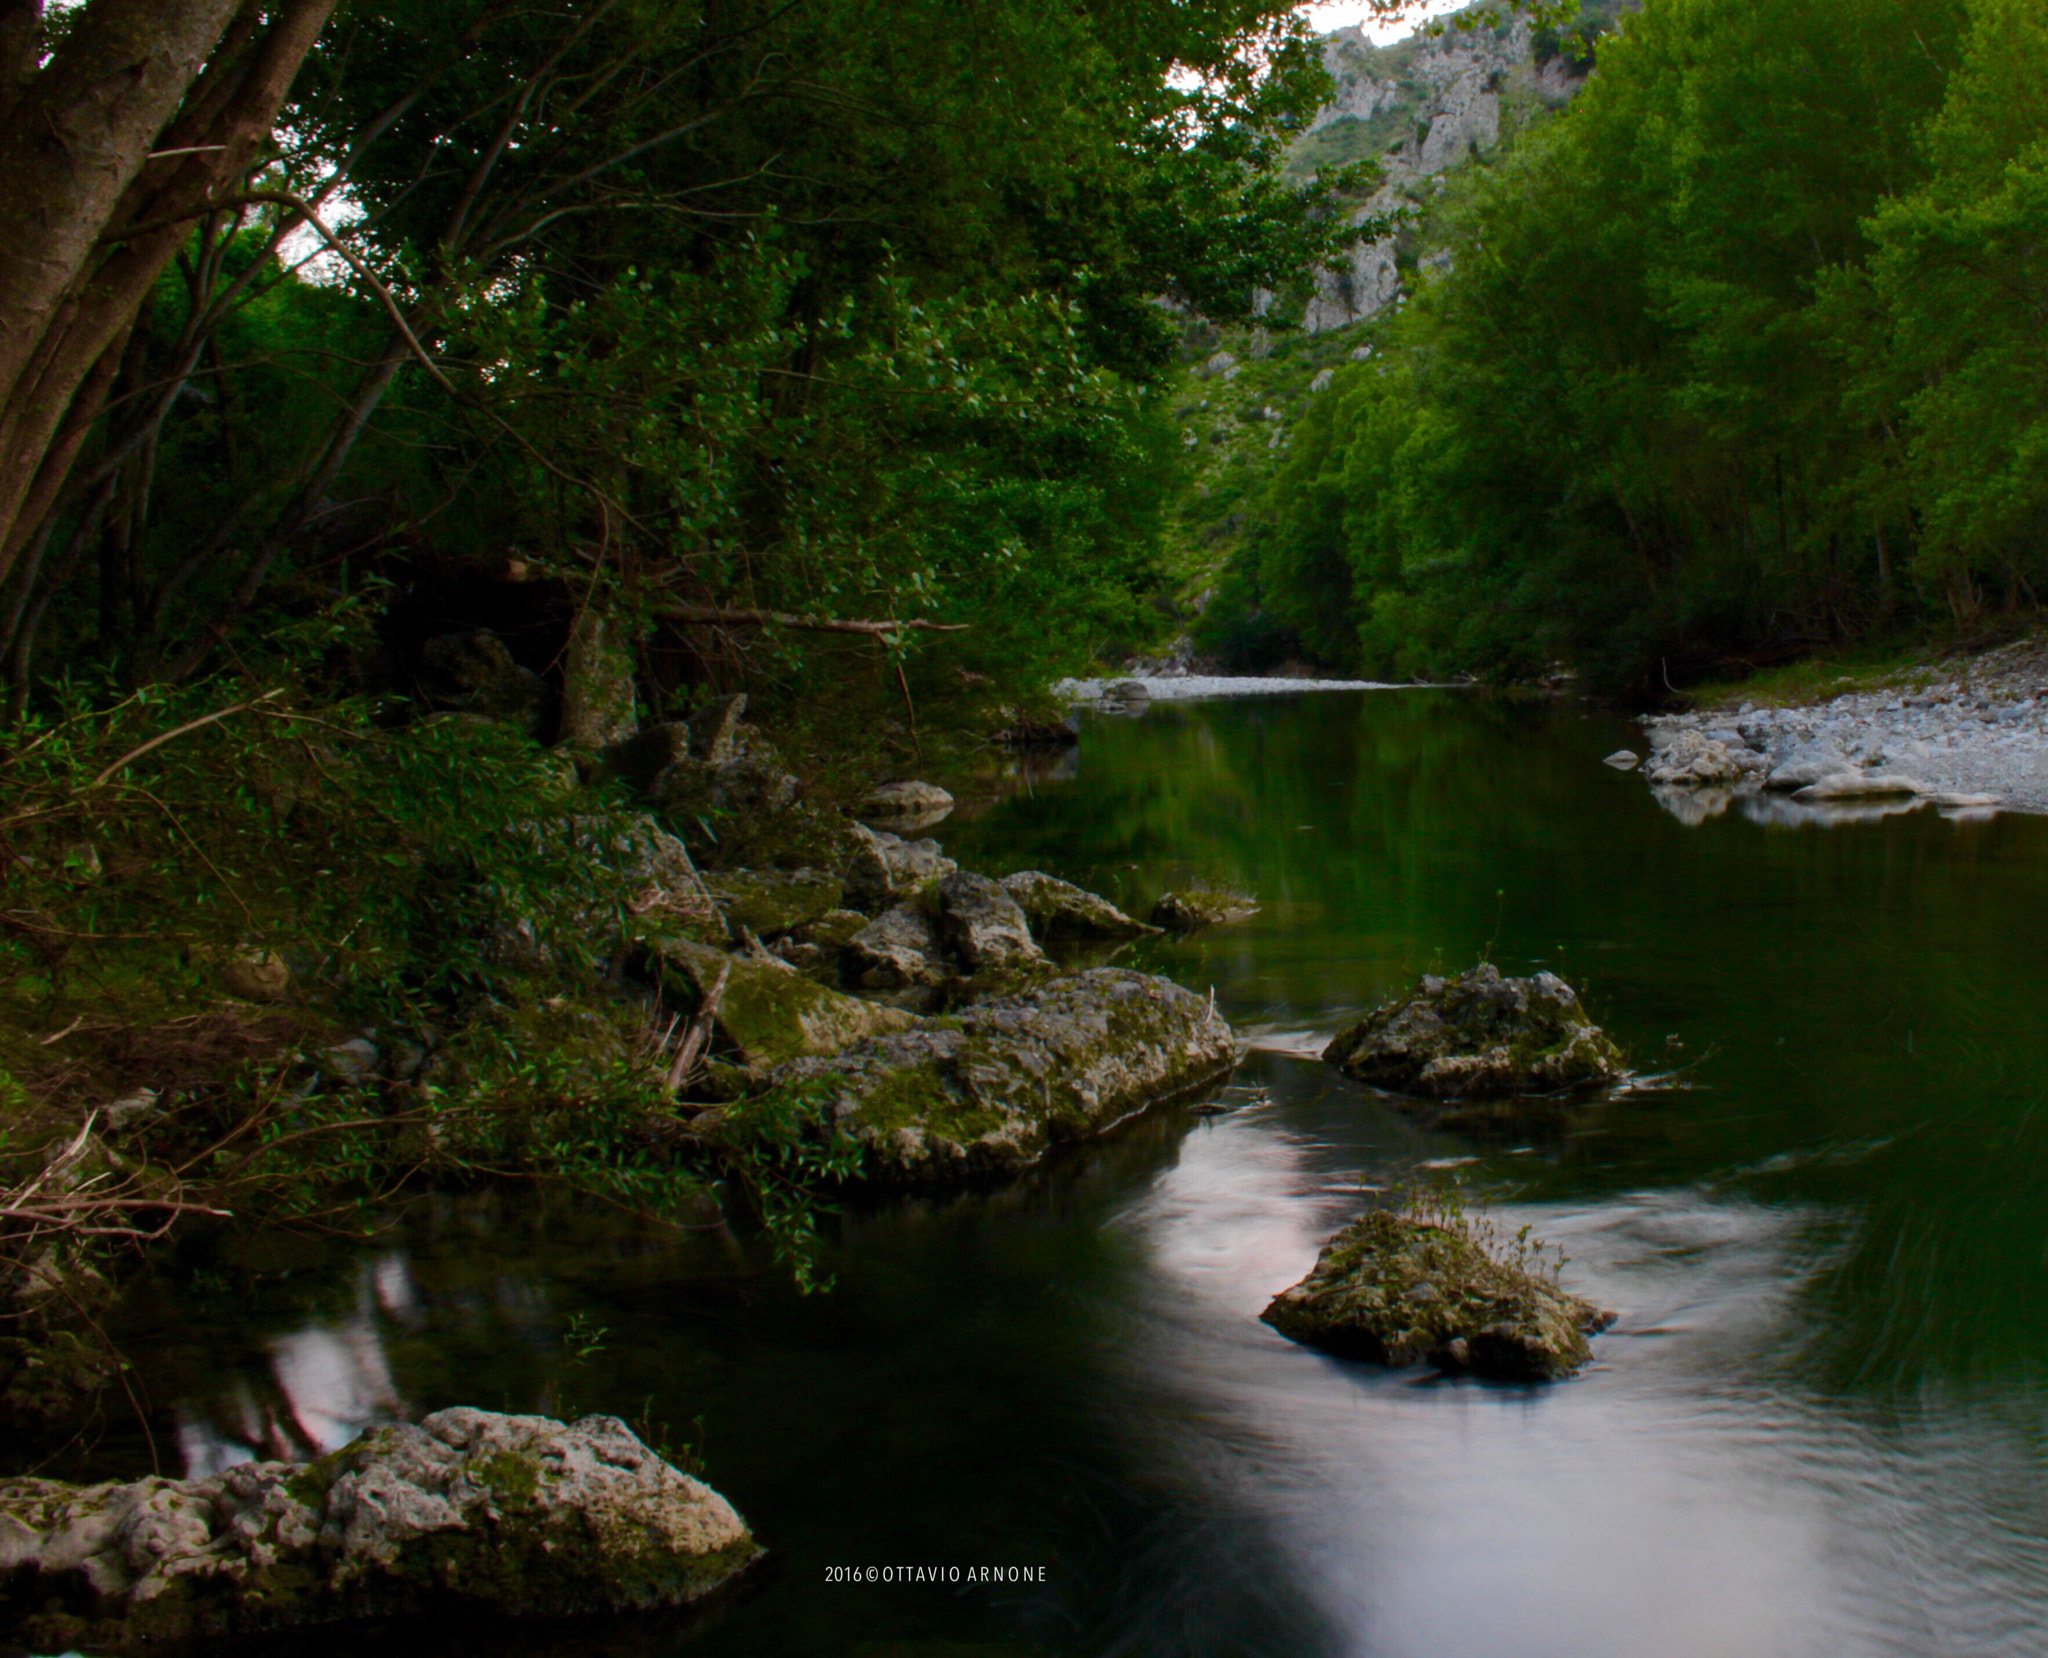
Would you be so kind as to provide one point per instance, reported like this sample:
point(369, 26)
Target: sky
point(1341, 14)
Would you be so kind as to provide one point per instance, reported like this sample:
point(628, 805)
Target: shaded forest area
point(1742, 356)
point(416, 420)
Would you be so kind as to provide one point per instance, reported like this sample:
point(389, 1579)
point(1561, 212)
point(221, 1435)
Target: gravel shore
point(1972, 737)
point(1187, 687)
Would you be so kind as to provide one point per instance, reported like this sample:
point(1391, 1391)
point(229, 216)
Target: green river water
point(1819, 1429)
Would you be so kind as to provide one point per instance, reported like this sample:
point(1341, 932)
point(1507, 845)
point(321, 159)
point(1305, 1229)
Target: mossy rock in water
point(991, 1089)
point(770, 1014)
point(1479, 1035)
point(468, 1510)
point(1059, 911)
point(1398, 1292)
point(1188, 912)
point(772, 901)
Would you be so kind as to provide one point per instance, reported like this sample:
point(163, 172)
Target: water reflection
point(1820, 1429)
point(323, 1384)
point(1694, 806)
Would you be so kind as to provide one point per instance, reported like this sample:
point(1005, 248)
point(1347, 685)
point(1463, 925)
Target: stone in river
point(1623, 759)
point(1479, 1035)
point(1187, 912)
point(1398, 1291)
point(994, 1088)
point(919, 804)
point(1858, 785)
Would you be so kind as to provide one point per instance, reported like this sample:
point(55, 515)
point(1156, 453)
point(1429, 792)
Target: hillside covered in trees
point(1741, 355)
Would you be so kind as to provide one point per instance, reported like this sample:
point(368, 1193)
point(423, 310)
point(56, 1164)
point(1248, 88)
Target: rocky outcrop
point(767, 1012)
point(1421, 108)
point(993, 1089)
point(598, 704)
point(1059, 912)
point(1479, 1035)
point(1190, 911)
point(654, 865)
point(884, 869)
point(469, 1509)
point(982, 926)
point(898, 950)
point(1397, 1291)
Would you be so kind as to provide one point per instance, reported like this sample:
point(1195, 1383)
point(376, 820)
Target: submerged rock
point(992, 1089)
point(469, 1509)
point(1187, 912)
point(1479, 1035)
point(1397, 1291)
point(768, 1012)
point(1058, 910)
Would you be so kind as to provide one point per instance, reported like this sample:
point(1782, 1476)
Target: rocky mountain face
point(1420, 108)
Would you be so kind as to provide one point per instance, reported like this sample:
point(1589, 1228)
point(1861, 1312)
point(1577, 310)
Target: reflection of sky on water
point(1680, 1498)
point(325, 1384)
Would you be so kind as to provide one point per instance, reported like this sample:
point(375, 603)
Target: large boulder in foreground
point(517, 1515)
point(1479, 1036)
point(1398, 1291)
point(994, 1088)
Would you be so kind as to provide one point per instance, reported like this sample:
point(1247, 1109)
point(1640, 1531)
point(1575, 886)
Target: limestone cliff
point(1419, 108)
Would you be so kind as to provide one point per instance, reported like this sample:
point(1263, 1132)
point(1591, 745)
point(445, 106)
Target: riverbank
point(1188, 687)
point(1962, 728)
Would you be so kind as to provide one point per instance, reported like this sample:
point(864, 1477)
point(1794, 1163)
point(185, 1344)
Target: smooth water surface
point(1819, 1430)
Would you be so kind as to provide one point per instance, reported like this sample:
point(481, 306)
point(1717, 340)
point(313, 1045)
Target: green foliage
point(776, 1153)
point(1698, 382)
point(381, 863)
point(757, 305)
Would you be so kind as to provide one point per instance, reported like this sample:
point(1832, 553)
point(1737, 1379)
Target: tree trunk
point(92, 207)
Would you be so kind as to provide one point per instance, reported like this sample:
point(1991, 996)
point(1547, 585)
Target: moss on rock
point(1398, 1291)
point(1477, 1036)
point(772, 901)
point(993, 1088)
point(769, 1014)
point(469, 1509)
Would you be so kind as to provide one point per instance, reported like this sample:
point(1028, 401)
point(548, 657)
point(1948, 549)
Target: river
point(1819, 1429)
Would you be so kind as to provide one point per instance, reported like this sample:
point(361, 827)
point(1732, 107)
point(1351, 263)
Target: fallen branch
point(699, 1034)
point(717, 617)
point(135, 754)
